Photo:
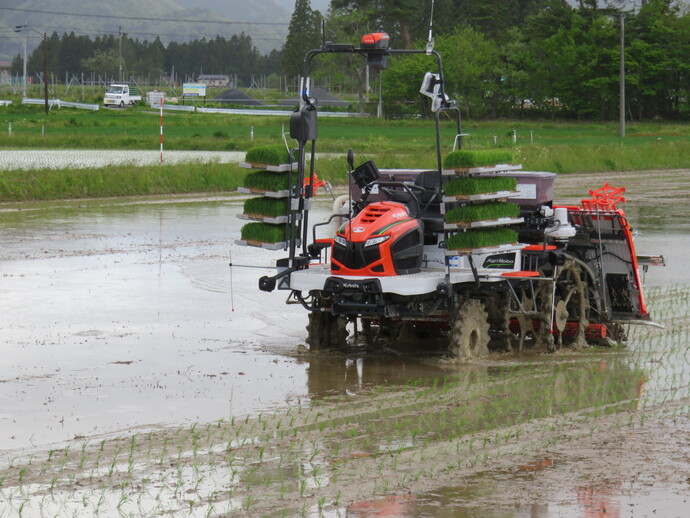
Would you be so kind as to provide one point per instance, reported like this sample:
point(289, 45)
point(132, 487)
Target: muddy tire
point(326, 331)
point(469, 336)
point(565, 303)
point(520, 317)
point(571, 303)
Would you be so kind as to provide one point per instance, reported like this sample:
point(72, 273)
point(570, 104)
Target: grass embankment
point(561, 147)
point(53, 184)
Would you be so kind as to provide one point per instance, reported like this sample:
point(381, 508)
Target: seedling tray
point(483, 223)
point(281, 245)
point(479, 170)
point(481, 197)
point(265, 219)
point(269, 194)
point(280, 168)
point(486, 250)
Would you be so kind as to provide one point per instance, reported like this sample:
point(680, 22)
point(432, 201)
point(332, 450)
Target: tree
point(304, 33)
point(17, 65)
point(102, 61)
point(401, 82)
point(471, 63)
point(346, 26)
point(657, 60)
point(392, 16)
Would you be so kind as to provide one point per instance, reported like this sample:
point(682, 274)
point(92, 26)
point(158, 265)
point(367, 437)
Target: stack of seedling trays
point(268, 211)
point(477, 217)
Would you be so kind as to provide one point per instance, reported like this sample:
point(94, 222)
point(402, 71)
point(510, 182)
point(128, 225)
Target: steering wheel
point(410, 189)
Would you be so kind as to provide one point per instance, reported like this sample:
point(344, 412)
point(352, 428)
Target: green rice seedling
point(482, 212)
point(463, 159)
point(481, 238)
point(267, 181)
point(302, 487)
point(471, 185)
point(268, 155)
point(264, 232)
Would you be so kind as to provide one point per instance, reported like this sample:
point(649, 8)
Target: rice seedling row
point(385, 441)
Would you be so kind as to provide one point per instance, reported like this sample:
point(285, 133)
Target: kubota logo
point(400, 215)
point(358, 230)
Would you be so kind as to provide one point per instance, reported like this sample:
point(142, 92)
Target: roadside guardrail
point(59, 103)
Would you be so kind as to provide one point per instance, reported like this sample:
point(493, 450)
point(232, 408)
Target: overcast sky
point(321, 5)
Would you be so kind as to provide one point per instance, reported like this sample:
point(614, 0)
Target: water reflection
point(430, 404)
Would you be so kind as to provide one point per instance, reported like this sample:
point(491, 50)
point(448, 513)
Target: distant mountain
point(144, 20)
point(268, 10)
point(265, 11)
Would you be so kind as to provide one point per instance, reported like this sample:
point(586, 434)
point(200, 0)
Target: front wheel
point(469, 337)
point(326, 331)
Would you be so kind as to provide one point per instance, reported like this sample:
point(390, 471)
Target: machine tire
point(326, 331)
point(571, 303)
point(469, 337)
point(568, 302)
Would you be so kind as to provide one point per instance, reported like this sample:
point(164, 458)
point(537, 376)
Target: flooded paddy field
point(141, 376)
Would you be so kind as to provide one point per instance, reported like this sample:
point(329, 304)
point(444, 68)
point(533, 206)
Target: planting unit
point(268, 213)
point(472, 251)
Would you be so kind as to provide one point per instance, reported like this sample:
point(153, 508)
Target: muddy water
point(126, 314)
point(122, 317)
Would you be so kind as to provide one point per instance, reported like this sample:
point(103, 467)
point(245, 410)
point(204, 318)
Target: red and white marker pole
point(161, 128)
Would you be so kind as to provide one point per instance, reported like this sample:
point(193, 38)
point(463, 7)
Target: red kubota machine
point(394, 268)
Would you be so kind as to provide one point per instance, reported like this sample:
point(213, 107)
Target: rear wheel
point(326, 331)
point(469, 337)
point(571, 304)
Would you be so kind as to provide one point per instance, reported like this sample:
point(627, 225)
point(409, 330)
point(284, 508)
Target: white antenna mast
point(430, 41)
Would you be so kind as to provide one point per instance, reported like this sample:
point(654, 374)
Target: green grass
point(263, 232)
point(52, 184)
point(469, 158)
point(469, 185)
point(268, 155)
point(481, 238)
point(560, 147)
point(266, 180)
point(485, 211)
point(266, 207)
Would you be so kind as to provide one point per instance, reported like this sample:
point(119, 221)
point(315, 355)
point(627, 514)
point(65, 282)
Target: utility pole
point(622, 78)
point(19, 28)
point(26, 42)
point(25, 29)
point(45, 71)
point(119, 52)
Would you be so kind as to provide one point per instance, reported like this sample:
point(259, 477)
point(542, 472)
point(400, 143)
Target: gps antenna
point(430, 41)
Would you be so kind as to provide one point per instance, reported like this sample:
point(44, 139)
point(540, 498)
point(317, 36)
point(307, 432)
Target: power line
point(142, 18)
point(87, 32)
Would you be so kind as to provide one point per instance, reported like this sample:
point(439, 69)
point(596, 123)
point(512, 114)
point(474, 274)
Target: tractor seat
point(430, 200)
